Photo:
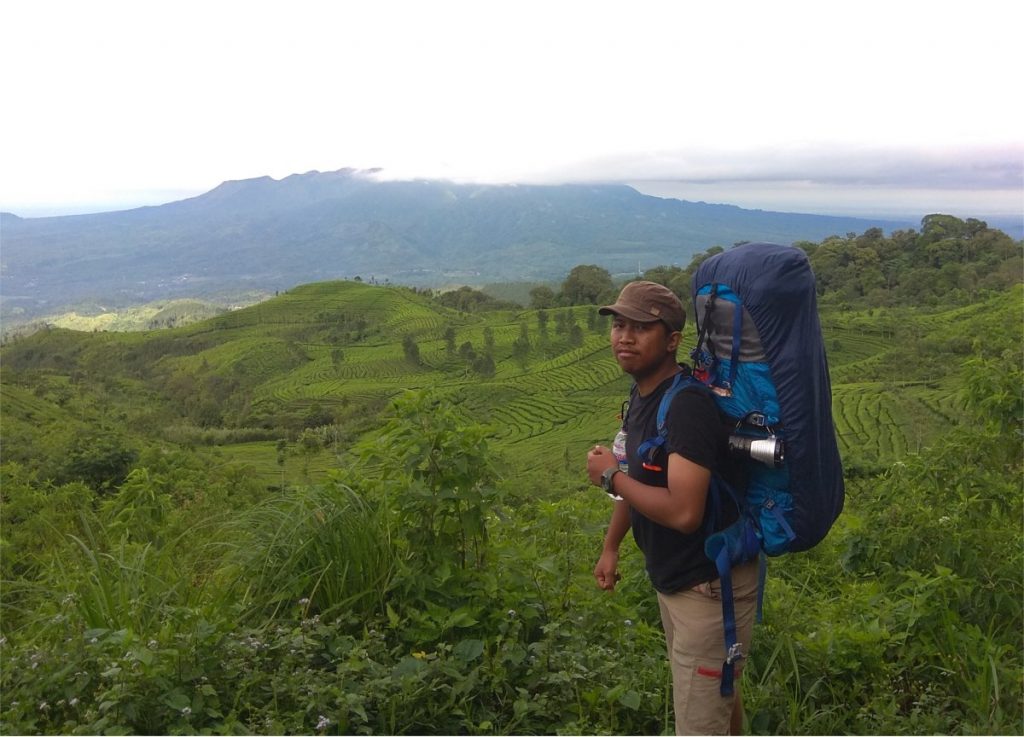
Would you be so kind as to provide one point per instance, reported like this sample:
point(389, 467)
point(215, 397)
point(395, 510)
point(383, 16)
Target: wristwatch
point(606, 481)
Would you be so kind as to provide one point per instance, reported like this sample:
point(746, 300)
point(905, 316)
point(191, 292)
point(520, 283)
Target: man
point(665, 502)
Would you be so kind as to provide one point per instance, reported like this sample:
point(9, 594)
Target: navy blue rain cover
point(777, 287)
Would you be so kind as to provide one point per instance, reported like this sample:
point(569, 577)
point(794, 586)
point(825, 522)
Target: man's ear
point(673, 342)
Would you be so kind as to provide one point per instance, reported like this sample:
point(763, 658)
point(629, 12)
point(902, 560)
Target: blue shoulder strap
point(650, 447)
point(738, 543)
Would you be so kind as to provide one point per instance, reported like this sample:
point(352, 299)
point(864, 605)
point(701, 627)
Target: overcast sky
point(875, 108)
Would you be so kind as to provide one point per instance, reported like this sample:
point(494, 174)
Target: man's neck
point(649, 382)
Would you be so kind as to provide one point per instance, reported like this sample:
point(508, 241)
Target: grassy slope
point(544, 411)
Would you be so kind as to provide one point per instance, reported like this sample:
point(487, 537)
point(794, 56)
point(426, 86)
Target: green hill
point(327, 358)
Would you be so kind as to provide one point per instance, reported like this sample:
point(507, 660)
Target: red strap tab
point(702, 671)
point(711, 672)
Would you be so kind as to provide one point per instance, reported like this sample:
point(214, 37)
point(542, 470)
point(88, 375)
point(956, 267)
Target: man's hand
point(599, 459)
point(605, 572)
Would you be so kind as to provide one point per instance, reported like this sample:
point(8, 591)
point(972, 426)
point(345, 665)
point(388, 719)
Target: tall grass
point(118, 583)
point(322, 548)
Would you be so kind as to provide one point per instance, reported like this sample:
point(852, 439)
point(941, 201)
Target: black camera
point(769, 450)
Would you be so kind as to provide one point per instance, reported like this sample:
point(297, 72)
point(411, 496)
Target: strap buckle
point(735, 653)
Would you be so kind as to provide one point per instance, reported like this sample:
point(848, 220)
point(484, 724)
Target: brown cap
point(645, 301)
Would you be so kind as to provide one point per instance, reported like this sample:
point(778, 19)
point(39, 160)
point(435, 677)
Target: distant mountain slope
point(268, 234)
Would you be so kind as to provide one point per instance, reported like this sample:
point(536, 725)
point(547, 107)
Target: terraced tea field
point(881, 422)
point(552, 405)
point(879, 418)
point(550, 410)
point(338, 346)
point(23, 404)
point(261, 462)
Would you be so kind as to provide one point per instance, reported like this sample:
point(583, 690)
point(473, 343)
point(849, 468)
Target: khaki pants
point(696, 648)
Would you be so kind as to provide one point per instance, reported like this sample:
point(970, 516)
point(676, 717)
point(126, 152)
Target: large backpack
point(761, 356)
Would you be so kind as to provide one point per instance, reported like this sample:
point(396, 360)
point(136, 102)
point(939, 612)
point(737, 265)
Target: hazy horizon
point(852, 201)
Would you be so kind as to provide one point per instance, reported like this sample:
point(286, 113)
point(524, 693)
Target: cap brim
point(629, 313)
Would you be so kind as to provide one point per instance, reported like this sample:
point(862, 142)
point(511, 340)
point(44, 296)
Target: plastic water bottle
point(619, 451)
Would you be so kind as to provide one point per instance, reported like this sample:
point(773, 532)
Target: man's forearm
point(617, 527)
point(680, 505)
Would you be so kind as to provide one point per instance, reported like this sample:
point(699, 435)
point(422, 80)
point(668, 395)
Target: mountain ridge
point(269, 234)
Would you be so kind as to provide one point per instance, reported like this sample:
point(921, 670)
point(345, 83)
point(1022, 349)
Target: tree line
point(948, 261)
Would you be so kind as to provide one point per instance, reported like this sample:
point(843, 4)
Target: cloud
point(531, 92)
point(996, 168)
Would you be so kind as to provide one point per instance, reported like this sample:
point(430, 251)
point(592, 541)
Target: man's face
point(642, 347)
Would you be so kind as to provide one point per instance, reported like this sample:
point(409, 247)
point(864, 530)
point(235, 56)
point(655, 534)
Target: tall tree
point(542, 298)
point(587, 285)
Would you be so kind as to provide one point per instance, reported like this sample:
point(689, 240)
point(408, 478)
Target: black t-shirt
point(698, 431)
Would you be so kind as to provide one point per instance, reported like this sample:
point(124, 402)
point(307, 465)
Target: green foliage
point(32, 515)
point(542, 298)
point(436, 483)
point(323, 549)
point(877, 632)
point(992, 389)
point(411, 349)
point(467, 299)
point(465, 642)
point(949, 262)
point(587, 285)
point(677, 279)
point(150, 316)
point(101, 461)
point(165, 576)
